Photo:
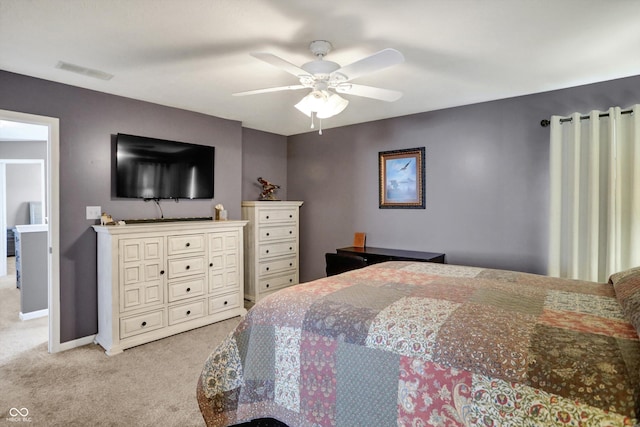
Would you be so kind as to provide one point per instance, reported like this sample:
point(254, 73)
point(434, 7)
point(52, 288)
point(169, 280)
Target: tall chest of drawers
point(271, 244)
point(156, 280)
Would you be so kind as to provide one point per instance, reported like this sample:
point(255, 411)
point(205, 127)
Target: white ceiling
point(193, 54)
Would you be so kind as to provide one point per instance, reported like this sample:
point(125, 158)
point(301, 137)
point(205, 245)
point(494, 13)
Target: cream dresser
point(271, 246)
point(159, 279)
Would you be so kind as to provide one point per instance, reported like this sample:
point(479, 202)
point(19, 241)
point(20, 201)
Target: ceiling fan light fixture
point(323, 103)
point(334, 105)
point(310, 103)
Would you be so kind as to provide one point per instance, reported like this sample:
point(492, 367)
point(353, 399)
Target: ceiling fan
point(326, 79)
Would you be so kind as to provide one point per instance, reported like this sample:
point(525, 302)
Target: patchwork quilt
point(417, 344)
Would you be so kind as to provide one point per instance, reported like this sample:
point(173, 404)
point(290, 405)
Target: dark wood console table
point(375, 255)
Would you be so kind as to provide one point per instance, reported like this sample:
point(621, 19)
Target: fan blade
point(369, 92)
point(376, 62)
point(267, 90)
point(280, 63)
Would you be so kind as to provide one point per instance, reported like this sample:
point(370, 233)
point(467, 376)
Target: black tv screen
point(150, 168)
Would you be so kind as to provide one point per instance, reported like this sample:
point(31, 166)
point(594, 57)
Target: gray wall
point(486, 180)
point(88, 120)
point(263, 155)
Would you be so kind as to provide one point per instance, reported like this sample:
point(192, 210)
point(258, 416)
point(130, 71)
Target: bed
point(416, 344)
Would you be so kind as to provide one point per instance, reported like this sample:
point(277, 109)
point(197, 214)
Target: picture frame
point(401, 178)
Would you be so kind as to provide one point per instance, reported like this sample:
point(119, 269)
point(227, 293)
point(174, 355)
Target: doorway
point(15, 203)
point(51, 214)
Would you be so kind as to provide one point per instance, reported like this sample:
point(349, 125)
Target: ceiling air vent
point(96, 74)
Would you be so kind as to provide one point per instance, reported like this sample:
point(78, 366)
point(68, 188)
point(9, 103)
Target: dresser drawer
point(186, 289)
point(185, 244)
point(224, 302)
point(279, 282)
point(268, 216)
point(141, 323)
point(185, 312)
point(182, 267)
point(278, 266)
point(268, 234)
point(277, 249)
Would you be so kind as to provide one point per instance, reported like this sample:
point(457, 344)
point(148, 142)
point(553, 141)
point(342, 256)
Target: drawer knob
point(210, 264)
point(143, 324)
point(267, 216)
point(188, 289)
point(188, 244)
point(161, 271)
point(290, 280)
point(267, 285)
point(290, 248)
point(290, 231)
point(225, 303)
point(187, 267)
point(267, 268)
point(267, 251)
point(290, 216)
point(267, 234)
point(290, 264)
point(188, 312)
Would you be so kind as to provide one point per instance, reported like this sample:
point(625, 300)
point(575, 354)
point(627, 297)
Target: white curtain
point(595, 194)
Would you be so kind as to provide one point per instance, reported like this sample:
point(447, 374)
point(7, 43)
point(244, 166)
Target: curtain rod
point(545, 123)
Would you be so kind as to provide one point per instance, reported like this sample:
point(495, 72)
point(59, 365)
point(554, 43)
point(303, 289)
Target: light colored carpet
point(150, 385)
point(17, 336)
point(9, 280)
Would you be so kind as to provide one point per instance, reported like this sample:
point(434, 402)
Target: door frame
point(52, 215)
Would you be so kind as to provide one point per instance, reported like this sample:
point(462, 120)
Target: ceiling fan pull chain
point(312, 125)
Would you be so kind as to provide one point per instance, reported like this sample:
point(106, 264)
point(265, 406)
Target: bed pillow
point(621, 275)
point(627, 287)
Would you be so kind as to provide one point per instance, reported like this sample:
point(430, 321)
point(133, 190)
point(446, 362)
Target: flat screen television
point(150, 168)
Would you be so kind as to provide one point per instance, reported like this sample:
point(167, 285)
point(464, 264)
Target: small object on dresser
point(359, 239)
point(268, 189)
point(221, 214)
point(106, 219)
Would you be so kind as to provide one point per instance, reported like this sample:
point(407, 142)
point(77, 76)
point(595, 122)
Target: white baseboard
point(68, 345)
point(34, 314)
